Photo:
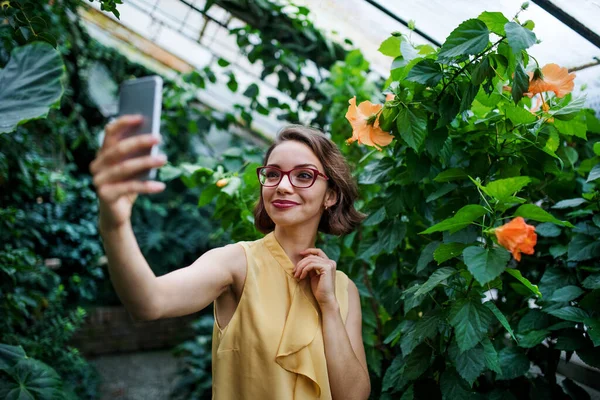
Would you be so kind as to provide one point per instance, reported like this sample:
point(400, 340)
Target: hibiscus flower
point(552, 78)
point(365, 124)
point(517, 237)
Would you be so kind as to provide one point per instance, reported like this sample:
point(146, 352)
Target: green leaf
point(453, 387)
point(570, 313)
point(536, 213)
point(451, 174)
point(547, 229)
point(251, 91)
point(447, 251)
point(500, 317)
point(441, 191)
point(517, 275)
point(513, 363)
point(518, 115)
point(469, 38)
point(435, 279)
point(490, 356)
point(376, 218)
point(533, 320)
point(592, 282)
point(426, 256)
point(574, 127)
point(424, 328)
point(533, 338)
point(470, 320)
point(417, 362)
point(387, 118)
point(593, 330)
point(519, 38)
point(393, 375)
point(558, 250)
point(567, 293)
point(502, 189)
point(495, 22)
point(463, 218)
point(590, 356)
point(597, 148)
point(594, 173)
point(223, 62)
point(482, 71)
point(412, 126)
point(31, 379)
point(30, 85)
point(520, 83)
point(583, 247)
point(426, 72)
point(391, 46)
point(470, 363)
point(485, 264)
point(10, 355)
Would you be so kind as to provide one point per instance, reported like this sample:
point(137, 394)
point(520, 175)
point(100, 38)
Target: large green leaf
point(31, 379)
point(470, 363)
point(470, 320)
point(417, 362)
point(490, 356)
point(593, 329)
point(460, 220)
point(520, 83)
point(485, 264)
point(425, 328)
point(536, 213)
point(435, 279)
point(513, 362)
point(412, 126)
point(518, 276)
point(30, 85)
point(391, 46)
point(469, 38)
point(500, 317)
point(453, 387)
point(570, 313)
point(446, 251)
point(495, 21)
point(427, 72)
point(567, 293)
point(10, 355)
point(519, 37)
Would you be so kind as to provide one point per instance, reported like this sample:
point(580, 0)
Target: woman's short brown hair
point(342, 217)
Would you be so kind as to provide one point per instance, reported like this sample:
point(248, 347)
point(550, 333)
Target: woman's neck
point(294, 240)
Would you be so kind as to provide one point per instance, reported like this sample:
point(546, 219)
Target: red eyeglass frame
point(284, 173)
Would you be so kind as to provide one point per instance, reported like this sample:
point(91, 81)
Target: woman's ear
point(331, 198)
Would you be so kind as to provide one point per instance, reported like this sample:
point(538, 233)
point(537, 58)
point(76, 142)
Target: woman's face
point(310, 202)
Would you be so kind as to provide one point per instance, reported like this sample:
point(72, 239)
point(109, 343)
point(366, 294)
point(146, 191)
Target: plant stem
point(477, 57)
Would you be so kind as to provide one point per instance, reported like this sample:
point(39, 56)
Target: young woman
point(287, 324)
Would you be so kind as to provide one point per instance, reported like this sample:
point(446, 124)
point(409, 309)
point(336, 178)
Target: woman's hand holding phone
point(117, 168)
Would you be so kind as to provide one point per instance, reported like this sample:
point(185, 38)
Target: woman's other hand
point(321, 271)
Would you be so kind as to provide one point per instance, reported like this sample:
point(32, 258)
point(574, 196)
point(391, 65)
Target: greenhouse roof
point(199, 39)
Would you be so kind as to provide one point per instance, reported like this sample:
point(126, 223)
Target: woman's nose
point(285, 184)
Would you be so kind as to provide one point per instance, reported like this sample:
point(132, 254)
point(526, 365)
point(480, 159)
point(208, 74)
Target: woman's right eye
point(272, 174)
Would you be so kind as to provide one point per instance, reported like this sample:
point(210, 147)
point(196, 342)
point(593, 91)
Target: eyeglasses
point(299, 177)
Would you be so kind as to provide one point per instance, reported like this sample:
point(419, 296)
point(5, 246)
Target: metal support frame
point(569, 21)
point(403, 22)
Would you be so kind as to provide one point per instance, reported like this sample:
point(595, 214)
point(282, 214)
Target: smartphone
point(143, 96)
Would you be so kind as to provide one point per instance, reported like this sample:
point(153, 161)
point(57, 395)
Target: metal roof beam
point(569, 21)
point(403, 22)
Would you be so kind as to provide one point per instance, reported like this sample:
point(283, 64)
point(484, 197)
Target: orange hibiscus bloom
point(365, 124)
point(390, 97)
point(517, 237)
point(553, 79)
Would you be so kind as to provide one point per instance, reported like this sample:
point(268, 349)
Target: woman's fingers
point(315, 251)
point(122, 150)
point(313, 263)
point(111, 192)
point(127, 169)
point(114, 130)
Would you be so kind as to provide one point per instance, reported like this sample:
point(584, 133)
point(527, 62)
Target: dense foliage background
point(447, 313)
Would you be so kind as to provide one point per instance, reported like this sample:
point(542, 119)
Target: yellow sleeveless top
point(273, 346)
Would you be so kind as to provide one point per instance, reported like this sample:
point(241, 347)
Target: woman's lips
point(284, 204)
